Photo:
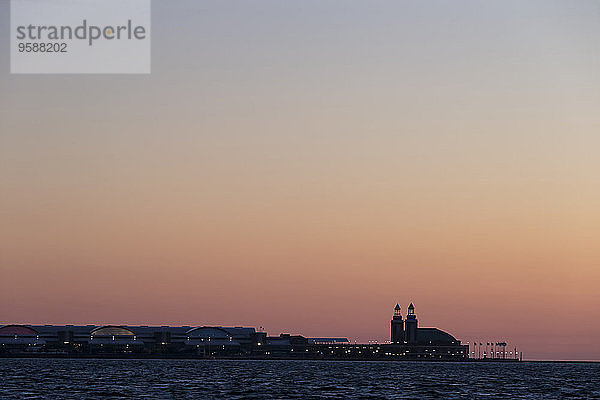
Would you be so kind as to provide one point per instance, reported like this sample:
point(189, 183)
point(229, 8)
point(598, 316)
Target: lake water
point(220, 379)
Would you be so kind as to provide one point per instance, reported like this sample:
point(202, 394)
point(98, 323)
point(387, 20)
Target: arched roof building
point(112, 330)
point(210, 336)
point(113, 335)
point(17, 330)
point(19, 335)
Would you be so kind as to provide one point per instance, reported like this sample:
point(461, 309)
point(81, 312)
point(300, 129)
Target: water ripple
point(201, 379)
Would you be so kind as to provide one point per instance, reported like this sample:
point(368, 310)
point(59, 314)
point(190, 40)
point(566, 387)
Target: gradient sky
point(304, 165)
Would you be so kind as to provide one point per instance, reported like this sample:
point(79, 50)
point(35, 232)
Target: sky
point(305, 165)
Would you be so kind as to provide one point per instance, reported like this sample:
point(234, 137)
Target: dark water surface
point(220, 379)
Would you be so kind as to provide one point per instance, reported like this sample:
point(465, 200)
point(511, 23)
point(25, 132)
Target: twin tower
point(404, 331)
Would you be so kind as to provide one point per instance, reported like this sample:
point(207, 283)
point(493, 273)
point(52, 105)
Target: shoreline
point(247, 358)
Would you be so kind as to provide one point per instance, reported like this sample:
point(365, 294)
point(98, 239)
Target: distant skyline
point(305, 165)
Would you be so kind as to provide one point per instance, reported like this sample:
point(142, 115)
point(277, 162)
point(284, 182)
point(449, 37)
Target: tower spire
point(397, 326)
point(411, 325)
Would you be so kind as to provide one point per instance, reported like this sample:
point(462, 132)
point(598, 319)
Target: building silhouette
point(397, 326)
point(408, 342)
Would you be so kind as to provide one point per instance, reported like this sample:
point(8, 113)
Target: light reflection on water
point(194, 379)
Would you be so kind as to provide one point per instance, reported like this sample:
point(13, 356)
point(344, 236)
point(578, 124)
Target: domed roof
point(434, 336)
point(112, 330)
point(18, 330)
point(206, 332)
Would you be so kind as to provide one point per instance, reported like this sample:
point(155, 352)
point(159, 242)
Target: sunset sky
point(305, 165)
